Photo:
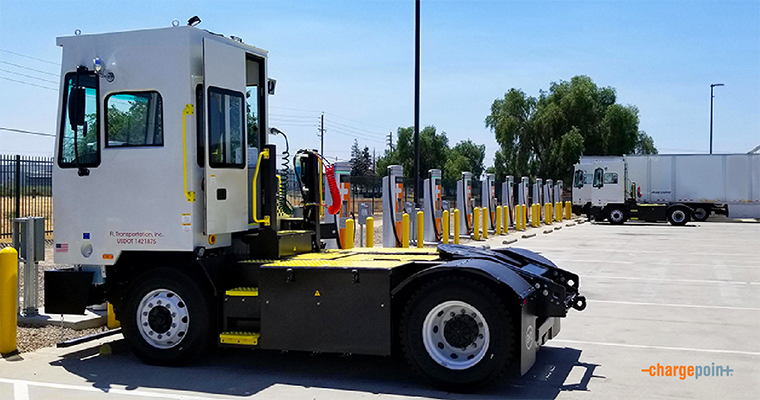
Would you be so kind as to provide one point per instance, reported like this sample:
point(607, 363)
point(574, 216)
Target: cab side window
point(82, 148)
point(226, 128)
point(611, 178)
point(134, 119)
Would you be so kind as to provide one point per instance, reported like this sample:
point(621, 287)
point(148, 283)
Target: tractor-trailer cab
point(169, 207)
point(155, 129)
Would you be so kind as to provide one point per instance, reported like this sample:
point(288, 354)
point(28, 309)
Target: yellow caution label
point(316, 294)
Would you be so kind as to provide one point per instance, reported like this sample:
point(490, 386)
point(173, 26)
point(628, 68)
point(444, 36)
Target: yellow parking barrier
point(486, 215)
point(420, 229)
point(456, 226)
point(349, 233)
point(568, 210)
point(370, 232)
point(405, 231)
point(445, 227)
point(8, 299)
point(498, 220)
point(476, 223)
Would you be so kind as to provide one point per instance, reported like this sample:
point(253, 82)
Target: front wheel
point(166, 319)
point(458, 334)
point(678, 216)
point(617, 216)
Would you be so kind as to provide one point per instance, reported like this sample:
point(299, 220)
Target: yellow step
point(241, 338)
point(243, 291)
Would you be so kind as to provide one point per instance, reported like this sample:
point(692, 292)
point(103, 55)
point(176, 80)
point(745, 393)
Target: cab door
point(224, 84)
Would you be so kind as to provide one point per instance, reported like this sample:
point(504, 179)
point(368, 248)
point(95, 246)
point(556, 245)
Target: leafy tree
point(545, 136)
point(434, 149)
point(465, 156)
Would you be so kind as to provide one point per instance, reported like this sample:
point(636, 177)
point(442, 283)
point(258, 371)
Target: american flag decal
point(61, 247)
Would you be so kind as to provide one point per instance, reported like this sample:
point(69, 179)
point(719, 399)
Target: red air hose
point(334, 192)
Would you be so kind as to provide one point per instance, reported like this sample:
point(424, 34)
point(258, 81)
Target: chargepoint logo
point(691, 371)
point(529, 337)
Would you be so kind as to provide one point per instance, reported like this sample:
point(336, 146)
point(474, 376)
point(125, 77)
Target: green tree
point(545, 136)
point(434, 149)
point(361, 161)
point(465, 156)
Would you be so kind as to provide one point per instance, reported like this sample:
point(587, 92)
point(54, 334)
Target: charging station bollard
point(568, 210)
point(420, 229)
point(456, 226)
point(551, 213)
point(370, 232)
point(524, 217)
point(350, 233)
point(8, 299)
point(505, 219)
point(518, 212)
point(476, 223)
point(486, 216)
point(405, 231)
point(445, 227)
point(498, 220)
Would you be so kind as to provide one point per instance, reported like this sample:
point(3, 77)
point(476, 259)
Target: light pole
point(712, 85)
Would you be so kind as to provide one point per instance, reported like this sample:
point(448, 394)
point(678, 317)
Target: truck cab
point(168, 205)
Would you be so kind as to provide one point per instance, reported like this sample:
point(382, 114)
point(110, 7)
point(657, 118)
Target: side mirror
point(76, 107)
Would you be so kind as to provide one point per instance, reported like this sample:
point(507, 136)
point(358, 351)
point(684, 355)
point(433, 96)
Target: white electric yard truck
point(676, 188)
point(167, 205)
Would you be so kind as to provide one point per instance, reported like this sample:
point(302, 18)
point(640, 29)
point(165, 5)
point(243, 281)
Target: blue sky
point(354, 60)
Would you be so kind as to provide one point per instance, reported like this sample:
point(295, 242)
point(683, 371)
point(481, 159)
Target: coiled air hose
point(283, 205)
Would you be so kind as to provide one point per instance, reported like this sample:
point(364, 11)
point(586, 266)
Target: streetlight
point(712, 85)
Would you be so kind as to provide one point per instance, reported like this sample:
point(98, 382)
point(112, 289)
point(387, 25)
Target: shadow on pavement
point(247, 372)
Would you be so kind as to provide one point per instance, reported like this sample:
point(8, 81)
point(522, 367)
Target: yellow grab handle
point(263, 155)
point(190, 196)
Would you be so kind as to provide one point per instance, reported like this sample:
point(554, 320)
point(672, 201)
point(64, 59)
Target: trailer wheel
point(679, 216)
point(167, 318)
point(700, 214)
point(458, 334)
point(616, 215)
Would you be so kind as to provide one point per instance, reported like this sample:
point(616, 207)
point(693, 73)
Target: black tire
point(192, 341)
point(499, 322)
point(700, 213)
point(679, 215)
point(617, 215)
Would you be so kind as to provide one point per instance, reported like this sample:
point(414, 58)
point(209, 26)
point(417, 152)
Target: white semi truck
point(676, 188)
point(167, 205)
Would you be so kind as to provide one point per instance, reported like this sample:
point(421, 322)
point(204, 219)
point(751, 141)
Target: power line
point(346, 133)
point(28, 76)
point(28, 69)
point(27, 132)
point(329, 113)
point(353, 120)
point(29, 57)
point(359, 129)
point(27, 83)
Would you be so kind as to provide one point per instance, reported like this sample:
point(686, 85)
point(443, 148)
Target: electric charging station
point(342, 178)
point(393, 205)
point(465, 203)
point(488, 200)
point(433, 206)
point(508, 199)
point(537, 192)
point(547, 191)
point(558, 187)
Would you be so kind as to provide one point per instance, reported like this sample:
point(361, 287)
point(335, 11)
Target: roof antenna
point(193, 21)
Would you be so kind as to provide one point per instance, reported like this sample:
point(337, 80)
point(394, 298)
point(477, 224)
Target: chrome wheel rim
point(162, 318)
point(616, 215)
point(455, 335)
point(678, 216)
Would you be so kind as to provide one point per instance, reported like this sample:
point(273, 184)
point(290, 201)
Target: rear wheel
point(166, 318)
point(616, 215)
point(700, 213)
point(458, 334)
point(678, 216)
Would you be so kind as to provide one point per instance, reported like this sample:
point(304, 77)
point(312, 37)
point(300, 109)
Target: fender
point(491, 270)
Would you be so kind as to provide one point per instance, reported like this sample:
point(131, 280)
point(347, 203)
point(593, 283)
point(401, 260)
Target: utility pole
point(390, 140)
point(713, 85)
point(322, 134)
point(416, 173)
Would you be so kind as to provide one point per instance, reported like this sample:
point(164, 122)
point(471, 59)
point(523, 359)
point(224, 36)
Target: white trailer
point(675, 187)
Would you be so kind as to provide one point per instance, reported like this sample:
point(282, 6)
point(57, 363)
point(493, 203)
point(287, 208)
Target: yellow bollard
point(558, 211)
point(111, 321)
point(8, 299)
point(524, 216)
point(405, 231)
point(445, 227)
point(476, 223)
point(420, 229)
point(498, 220)
point(537, 219)
point(551, 213)
point(568, 210)
point(518, 212)
point(370, 232)
point(486, 215)
point(456, 226)
point(349, 241)
point(505, 219)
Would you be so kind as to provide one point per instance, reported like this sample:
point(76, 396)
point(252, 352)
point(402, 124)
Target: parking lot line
point(21, 390)
point(635, 303)
point(642, 346)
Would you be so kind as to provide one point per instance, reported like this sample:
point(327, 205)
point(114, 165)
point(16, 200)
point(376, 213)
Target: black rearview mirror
point(76, 107)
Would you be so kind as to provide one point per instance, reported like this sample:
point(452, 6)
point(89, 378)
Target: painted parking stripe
point(21, 388)
point(634, 303)
point(641, 346)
